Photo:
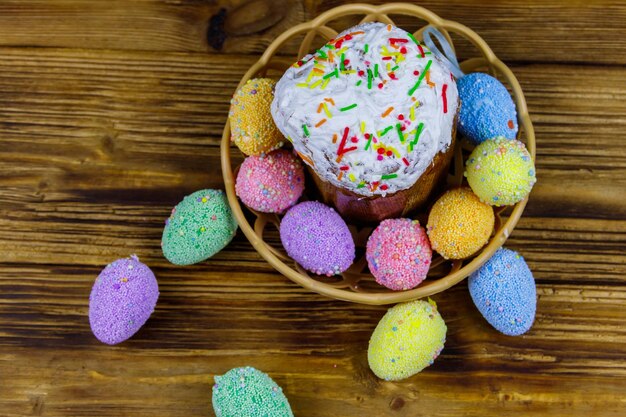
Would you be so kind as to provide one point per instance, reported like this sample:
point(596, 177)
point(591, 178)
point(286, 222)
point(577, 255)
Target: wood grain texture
point(97, 145)
point(547, 31)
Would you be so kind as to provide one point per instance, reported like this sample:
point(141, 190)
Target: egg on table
point(248, 392)
point(504, 292)
point(122, 299)
point(200, 226)
point(407, 339)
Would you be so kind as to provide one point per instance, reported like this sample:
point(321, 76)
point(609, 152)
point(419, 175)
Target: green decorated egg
point(248, 392)
point(200, 226)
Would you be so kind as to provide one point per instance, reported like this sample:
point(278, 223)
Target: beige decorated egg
point(251, 124)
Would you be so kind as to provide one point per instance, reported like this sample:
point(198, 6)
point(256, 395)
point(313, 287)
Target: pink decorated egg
point(270, 183)
point(398, 254)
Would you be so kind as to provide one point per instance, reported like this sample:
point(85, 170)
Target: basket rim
point(429, 287)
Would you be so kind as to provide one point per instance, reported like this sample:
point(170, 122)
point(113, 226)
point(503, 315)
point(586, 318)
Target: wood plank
point(530, 31)
point(101, 382)
point(574, 356)
point(146, 25)
point(543, 28)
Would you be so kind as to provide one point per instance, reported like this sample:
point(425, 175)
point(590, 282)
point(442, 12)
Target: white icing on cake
point(369, 148)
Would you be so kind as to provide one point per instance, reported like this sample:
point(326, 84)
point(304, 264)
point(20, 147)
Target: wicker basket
point(356, 284)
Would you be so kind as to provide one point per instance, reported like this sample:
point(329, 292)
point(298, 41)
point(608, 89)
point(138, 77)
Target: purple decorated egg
point(122, 299)
point(316, 237)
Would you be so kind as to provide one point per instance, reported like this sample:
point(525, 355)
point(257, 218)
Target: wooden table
point(112, 111)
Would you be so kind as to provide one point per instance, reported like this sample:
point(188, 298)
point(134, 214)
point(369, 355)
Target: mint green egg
point(248, 392)
point(199, 227)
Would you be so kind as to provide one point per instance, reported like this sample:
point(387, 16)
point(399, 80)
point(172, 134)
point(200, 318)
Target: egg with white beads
point(504, 292)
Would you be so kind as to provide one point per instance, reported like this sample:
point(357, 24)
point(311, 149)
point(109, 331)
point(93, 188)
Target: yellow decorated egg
point(251, 124)
point(459, 224)
point(500, 171)
point(407, 339)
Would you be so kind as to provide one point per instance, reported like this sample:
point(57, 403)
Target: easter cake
point(372, 114)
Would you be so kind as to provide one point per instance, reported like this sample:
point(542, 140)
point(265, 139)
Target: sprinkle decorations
point(421, 77)
point(398, 254)
point(199, 226)
point(408, 338)
point(316, 237)
point(122, 299)
point(270, 183)
point(342, 149)
point(504, 292)
point(500, 171)
point(252, 127)
point(459, 224)
point(248, 392)
point(418, 132)
point(400, 134)
point(351, 106)
point(393, 106)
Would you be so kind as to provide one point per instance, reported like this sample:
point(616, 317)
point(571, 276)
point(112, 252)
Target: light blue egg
point(487, 109)
point(504, 292)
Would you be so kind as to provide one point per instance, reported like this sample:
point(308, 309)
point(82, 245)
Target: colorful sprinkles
point(350, 107)
point(397, 56)
point(421, 77)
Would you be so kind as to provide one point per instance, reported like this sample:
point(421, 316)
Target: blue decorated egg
point(487, 109)
point(504, 292)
